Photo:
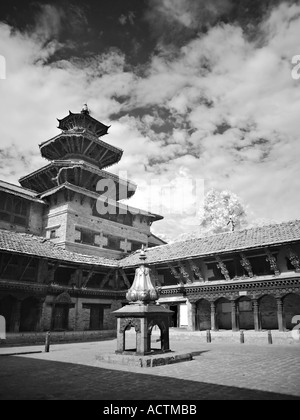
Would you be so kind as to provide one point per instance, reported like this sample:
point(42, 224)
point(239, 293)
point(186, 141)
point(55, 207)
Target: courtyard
point(219, 371)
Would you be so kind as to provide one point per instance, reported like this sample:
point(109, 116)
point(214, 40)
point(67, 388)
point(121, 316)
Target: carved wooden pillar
point(213, 316)
point(256, 314)
point(280, 314)
point(234, 316)
point(16, 317)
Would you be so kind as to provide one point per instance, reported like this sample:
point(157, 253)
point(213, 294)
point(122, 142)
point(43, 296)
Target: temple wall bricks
point(65, 218)
point(79, 316)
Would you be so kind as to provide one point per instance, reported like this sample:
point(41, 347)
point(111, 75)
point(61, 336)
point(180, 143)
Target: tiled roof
point(220, 243)
point(20, 191)
point(22, 243)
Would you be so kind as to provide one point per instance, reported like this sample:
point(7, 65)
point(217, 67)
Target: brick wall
point(268, 311)
point(57, 337)
point(36, 219)
point(79, 315)
point(66, 217)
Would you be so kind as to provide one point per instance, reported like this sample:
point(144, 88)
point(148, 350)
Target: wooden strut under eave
point(175, 273)
point(125, 278)
point(294, 258)
point(88, 278)
point(6, 266)
point(246, 264)
point(50, 275)
point(273, 262)
point(25, 269)
point(196, 270)
point(184, 272)
point(106, 278)
point(222, 266)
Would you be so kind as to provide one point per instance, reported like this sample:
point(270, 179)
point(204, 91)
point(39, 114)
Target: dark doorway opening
point(96, 319)
point(174, 319)
point(61, 317)
point(6, 310)
point(29, 315)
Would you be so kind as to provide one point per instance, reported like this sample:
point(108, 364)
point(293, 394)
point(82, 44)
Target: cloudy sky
point(195, 92)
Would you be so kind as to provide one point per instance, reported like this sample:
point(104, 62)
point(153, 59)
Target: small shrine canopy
point(143, 313)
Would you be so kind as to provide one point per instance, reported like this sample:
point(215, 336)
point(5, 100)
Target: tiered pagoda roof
point(79, 139)
point(78, 157)
point(78, 173)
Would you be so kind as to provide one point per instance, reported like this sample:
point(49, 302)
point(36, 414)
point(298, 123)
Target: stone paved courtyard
point(221, 371)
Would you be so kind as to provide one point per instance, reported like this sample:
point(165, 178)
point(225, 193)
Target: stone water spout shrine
point(142, 313)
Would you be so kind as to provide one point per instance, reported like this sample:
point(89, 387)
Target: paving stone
point(227, 372)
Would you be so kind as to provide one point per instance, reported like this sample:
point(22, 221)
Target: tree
point(223, 212)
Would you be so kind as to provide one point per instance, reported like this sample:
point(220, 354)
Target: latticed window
point(113, 242)
point(135, 246)
point(13, 209)
point(85, 236)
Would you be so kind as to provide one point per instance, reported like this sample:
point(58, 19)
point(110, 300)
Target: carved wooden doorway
point(61, 317)
point(96, 320)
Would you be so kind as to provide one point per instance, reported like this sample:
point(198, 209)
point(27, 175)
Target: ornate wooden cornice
point(256, 289)
point(53, 289)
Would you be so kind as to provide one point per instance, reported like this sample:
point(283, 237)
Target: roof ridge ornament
point(85, 110)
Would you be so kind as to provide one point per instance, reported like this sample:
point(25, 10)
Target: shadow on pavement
point(31, 379)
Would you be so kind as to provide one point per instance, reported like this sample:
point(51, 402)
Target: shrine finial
point(143, 253)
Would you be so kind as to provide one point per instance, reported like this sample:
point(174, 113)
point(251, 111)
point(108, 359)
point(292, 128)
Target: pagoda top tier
point(79, 139)
point(83, 120)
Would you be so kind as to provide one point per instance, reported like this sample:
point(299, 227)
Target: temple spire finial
point(85, 110)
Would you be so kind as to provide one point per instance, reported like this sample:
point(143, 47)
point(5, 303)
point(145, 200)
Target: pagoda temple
point(75, 186)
